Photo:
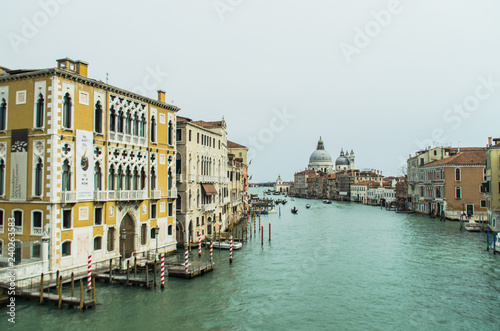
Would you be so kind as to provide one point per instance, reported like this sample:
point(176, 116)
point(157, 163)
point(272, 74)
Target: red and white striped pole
point(89, 273)
point(211, 252)
point(186, 259)
point(199, 244)
point(162, 270)
point(231, 250)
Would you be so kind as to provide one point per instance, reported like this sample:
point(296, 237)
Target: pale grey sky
point(383, 78)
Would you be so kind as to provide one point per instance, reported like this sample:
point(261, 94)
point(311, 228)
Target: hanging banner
point(84, 164)
point(19, 164)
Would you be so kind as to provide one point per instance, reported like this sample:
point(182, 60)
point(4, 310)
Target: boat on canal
point(472, 226)
point(495, 245)
point(294, 210)
point(308, 206)
point(226, 244)
point(327, 202)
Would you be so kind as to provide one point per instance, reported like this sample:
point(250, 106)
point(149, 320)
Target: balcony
point(191, 178)
point(172, 193)
point(101, 196)
point(208, 179)
point(1, 228)
point(68, 197)
point(18, 229)
point(208, 207)
point(155, 194)
point(130, 195)
point(37, 231)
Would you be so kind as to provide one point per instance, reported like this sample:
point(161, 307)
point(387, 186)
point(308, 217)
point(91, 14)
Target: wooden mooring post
point(147, 274)
point(135, 266)
point(60, 292)
point(41, 288)
point(81, 295)
point(72, 284)
point(111, 271)
point(93, 289)
point(154, 272)
point(128, 271)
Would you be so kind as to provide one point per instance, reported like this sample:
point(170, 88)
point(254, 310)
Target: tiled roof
point(468, 157)
point(367, 182)
point(231, 144)
point(209, 125)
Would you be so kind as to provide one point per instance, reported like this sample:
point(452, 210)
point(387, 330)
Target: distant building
point(491, 185)
point(282, 187)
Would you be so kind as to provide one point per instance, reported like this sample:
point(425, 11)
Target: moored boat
point(226, 244)
point(495, 245)
point(472, 226)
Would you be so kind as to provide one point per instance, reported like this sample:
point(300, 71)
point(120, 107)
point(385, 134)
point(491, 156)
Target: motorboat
point(272, 211)
point(294, 210)
point(496, 243)
point(226, 244)
point(308, 206)
point(472, 226)
point(293, 199)
point(328, 202)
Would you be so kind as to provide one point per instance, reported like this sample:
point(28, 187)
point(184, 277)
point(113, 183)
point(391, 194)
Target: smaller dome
point(341, 160)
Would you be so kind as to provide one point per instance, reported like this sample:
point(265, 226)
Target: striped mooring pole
point(89, 274)
point(211, 252)
point(162, 270)
point(254, 225)
point(186, 259)
point(199, 244)
point(231, 250)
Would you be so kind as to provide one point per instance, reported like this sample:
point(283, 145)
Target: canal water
point(342, 266)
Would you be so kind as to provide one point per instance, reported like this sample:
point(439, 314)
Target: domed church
point(320, 160)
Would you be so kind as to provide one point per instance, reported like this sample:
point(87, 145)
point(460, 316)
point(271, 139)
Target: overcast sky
point(383, 78)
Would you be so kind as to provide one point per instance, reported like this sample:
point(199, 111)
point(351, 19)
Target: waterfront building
point(202, 173)
point(401, 189)
point(300, 182)
point(359, 190)
point(237, 171)
point(86, 169)
point(282, 187)
point(491, 185)
point(451, 187)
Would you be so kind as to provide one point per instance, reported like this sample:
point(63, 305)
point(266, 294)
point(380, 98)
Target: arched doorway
point(190, 233)
point(127, 246)
point(179, 234)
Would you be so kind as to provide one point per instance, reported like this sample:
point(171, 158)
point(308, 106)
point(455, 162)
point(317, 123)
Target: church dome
point(320, 156)
point(342, 160)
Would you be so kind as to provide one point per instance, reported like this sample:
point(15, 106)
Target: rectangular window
point(170, 209)
point(153, 233)
point(189, 135)
point(18, 218)
point(36, 251)
point(178, 136)
point(97, 243)
point(144, 233)
point(197, 221)
point(111, 239)
point(66, 219)
point(197, 137)
point(66, 248)
point(153, 210)
point(1, 217)
point(98, 216)
point(37, 219)
point(483, 203)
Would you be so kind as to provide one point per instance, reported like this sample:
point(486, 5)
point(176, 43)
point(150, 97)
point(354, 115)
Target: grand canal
point(338, 266)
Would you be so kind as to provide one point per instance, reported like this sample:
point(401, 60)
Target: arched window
point(111, 178)
point(66, 118)
point(38, 177)
point(119, 181)
point(120, 119)
point(66, 176)
point(457, 174)
point(190, 201)
point(458, 192)
point(135, 179)
point(112, 119)
point(2, 177)
point(39, 112)
point(170, 133)
point(153, 179)
point(3, 115)
point(170, 230)
point(153, 129)
point(97, 177)
point(98, 117)
point(178, 202)
point(170, 178)
point(66, 248)
point(135, 128)
point(128, 178)
point(128, 124)
point(143, 179)
point(142, 131)
point(36, 222)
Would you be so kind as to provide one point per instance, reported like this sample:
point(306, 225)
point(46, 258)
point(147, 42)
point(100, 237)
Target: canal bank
point(338, 266)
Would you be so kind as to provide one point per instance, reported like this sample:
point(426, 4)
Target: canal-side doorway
point(179, 232)
point(127, 245)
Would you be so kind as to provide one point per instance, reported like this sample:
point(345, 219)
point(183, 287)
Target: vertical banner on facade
point(19, 164)
point(84, 164)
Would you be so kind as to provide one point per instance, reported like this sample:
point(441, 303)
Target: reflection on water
point(338, 266)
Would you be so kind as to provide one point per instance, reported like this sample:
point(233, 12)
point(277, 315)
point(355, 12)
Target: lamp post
point(157, 231)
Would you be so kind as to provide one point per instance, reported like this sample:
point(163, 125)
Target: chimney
point(82, 68)
point(161, 95)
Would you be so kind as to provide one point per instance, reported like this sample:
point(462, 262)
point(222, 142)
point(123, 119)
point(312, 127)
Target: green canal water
point(342, 266)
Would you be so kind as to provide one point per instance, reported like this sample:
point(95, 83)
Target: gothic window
point(112, 119)
point(97, 177)
point(38, 177)
point(128, 178)
point(153, 179)
point(119, 181)
point(66, 176)
point(143, 179)
point(98, 117)
point(67, 105)
point(135, 179)
point(135, 128)
point(3, 115)
point(39, 112)
point(119, 127)
point(142, 127)
point(170, 133)
point(111, 178)
point(128, 124)
point(153, 129)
